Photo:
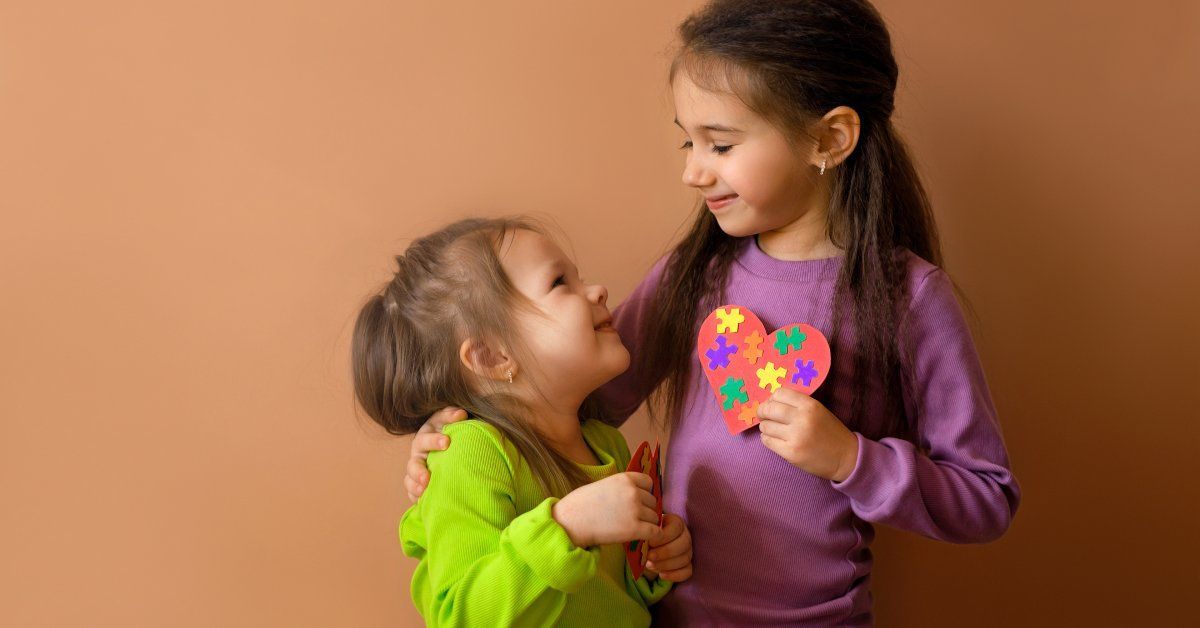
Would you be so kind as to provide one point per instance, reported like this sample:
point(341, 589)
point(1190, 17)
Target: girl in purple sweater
point(812, 212)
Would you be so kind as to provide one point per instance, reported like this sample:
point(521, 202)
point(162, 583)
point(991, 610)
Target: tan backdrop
point(197, 197)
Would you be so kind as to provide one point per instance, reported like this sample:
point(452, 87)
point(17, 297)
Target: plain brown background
point(196, 198)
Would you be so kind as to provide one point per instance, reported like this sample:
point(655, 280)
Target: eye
point(560, 280)
point(686, 145)
point(721, 150)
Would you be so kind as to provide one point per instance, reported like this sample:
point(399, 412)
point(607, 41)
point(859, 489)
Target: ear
point(485, 360)
point(837, 136)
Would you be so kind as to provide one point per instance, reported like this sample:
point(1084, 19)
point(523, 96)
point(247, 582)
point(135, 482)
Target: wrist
point(848, 461)
point(564, 514)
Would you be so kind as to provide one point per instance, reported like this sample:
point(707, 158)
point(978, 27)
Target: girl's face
point(753, 178)
point(574, 347)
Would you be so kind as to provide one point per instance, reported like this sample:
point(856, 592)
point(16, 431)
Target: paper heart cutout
point(745, 365)
point(645, 461)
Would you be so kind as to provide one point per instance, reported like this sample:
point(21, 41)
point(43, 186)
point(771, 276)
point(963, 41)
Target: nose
point(598, 294)
point(695, 174)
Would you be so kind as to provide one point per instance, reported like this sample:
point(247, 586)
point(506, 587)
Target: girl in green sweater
point(523, 521)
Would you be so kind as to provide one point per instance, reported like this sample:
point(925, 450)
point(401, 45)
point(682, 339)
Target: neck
point(559, 425)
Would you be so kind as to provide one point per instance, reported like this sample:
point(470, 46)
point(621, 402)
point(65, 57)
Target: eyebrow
point(712, 127)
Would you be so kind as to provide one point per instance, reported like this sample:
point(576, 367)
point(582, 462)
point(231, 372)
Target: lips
point(605, 325)
point(718, 202)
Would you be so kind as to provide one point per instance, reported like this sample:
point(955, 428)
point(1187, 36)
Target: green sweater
point(491, 553)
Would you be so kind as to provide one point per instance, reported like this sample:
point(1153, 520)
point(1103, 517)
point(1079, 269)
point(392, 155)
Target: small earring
point(823, 162)
point(510, 376)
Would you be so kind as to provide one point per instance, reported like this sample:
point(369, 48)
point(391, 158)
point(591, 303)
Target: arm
point(962, 490)
point(485, 563)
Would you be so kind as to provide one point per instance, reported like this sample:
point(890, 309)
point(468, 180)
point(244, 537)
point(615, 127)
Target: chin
point(739, 226)
point(619, 364)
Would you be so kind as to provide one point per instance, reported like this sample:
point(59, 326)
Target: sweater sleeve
point(960, 489)
point(487, 565)
point(625, 393)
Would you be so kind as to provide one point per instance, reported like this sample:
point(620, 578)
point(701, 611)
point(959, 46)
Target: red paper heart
point(645, 461)
point(744, 364)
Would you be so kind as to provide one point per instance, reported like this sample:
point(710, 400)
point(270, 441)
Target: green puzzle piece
point(793, 340)
point(734, 389)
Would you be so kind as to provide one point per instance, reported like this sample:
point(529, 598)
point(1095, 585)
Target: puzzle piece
point(729, 320)
point(718, 356)
point(770, 375)
point(752, 352)
point(805, 371)
point(749, 413)
point(790, 340)
point(734, 390)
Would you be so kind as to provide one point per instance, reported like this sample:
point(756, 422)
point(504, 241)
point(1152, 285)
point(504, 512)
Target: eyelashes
point(718, 149)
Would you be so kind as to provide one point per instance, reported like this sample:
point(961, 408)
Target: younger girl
point(812, 213)
point(524, 522)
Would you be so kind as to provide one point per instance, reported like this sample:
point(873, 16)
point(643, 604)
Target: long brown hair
point(791, 62)
point(450, 286)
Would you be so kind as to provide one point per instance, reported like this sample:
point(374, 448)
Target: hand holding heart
point(805, 433)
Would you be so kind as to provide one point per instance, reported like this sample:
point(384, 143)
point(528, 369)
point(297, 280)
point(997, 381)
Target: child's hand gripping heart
point(671, 551)
point(808, 435)
point(617, 509)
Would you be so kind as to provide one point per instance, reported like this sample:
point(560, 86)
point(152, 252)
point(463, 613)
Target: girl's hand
point(617, 509)
point(806, 434)
point(671, 550)
point(428, 438)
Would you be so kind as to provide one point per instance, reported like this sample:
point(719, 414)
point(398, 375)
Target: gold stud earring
point(510, 376)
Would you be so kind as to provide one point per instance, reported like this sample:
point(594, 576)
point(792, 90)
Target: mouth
point(605, 325)
point(718, 202)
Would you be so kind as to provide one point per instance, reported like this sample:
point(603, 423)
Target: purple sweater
point(775, 545)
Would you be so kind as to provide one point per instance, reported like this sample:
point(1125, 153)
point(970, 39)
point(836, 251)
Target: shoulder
point(926, 282)
point(933, 313)
point(473, 443)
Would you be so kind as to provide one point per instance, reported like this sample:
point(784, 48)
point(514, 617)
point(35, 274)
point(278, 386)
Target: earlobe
point(485, 361)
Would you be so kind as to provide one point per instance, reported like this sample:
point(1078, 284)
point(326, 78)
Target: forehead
point(696, 106)
point(524, 250)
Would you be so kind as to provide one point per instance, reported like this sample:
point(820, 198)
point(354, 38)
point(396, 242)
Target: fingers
point(672, 530)
point(417, 472)
point(790, 397)
point(673, 563)
point(771, 410)
point(646, 529)
point(422, 444)
point(649, 515)
point(679, 575)
point(413, 488)
point(667, 556)
point(647, 499)
point(771, 428)
point(642, 480)
point(784, 404)
point(438, 419)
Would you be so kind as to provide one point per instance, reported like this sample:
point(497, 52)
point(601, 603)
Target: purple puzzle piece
point(805, 372)
point(718, 356)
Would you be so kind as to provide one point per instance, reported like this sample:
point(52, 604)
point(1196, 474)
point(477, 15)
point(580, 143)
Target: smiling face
point(753, 178)
point(573, 345)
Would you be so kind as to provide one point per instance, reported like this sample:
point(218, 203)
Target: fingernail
point(444, 442)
